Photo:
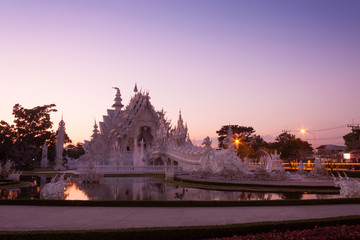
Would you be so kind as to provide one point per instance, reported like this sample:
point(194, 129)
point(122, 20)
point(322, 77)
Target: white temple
point(138, 135)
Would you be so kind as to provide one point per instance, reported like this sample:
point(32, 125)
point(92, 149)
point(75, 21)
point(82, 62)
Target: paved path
point(27, 218)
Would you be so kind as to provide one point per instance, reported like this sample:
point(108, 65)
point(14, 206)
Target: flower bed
point(318, 233)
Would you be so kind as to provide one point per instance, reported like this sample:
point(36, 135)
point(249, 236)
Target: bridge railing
point(190, 155)
point(109, 169)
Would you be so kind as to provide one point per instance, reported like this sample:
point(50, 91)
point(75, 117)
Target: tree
point(73, 151)
point(256, 142)
point(284, 137)
point(281, 140)
point(240, 132)
point(248, 142)
point(244, 150)
point(7, 139)
point(295, 149)
point(352, 140)
point(32, 128)
point(22, 141)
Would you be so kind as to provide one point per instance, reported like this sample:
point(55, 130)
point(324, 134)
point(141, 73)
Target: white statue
point(91, 175)
point(349, 188)
point(8, 166)
point(301, 167)
point(278, 165)
point(207, 142)
point(267, 159)
point(15, 175)
point(319, 170)
point(54, 190)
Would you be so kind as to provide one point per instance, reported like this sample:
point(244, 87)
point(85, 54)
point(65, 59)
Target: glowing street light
point(304, 131)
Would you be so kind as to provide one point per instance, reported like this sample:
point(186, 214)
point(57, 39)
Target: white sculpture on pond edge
point(55, 189)
point(91, 175)
point(349, 188)
point(301, 169)
point(267, 160)
point(8, 166)
point(278, 165)
point(319, 170)
point(15, 175)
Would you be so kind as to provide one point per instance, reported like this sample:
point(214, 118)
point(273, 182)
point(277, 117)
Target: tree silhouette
point(248, 142)
point(352, 140)
point(24, 139)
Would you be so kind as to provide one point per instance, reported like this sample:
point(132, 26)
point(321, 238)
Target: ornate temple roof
point(137, 105)
point(119, 121)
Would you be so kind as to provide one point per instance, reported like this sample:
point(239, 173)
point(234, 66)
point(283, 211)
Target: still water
point(147, 188)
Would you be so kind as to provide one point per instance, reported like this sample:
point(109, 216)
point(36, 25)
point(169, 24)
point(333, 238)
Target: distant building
point(331, 152)
point(328, 149)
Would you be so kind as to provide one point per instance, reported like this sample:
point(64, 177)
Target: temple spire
point(135, 88)
point(96, 130)
point(117, 105)
point(44, 156)
point(60, 138)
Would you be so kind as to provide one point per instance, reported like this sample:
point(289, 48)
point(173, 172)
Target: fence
point(109, 169)
point(328, 165)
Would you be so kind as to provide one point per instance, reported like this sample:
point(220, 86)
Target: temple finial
point(135, 88)
point(95, 131)
point(117, 105)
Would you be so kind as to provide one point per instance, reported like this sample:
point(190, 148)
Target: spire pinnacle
point(95, 131)
point(117, 105)
point(180, 121)
point(135, 88)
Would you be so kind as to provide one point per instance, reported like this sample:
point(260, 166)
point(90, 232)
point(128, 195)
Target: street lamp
point(304, 131)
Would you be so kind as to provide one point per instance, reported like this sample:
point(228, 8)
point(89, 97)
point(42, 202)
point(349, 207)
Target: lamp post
point(304, 131)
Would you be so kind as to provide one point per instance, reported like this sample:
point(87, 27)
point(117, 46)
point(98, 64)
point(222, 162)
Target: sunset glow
point(289, 63)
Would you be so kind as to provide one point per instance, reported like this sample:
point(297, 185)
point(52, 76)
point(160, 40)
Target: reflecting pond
point(147, 188)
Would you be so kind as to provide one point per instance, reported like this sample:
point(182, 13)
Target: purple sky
point(272, 65)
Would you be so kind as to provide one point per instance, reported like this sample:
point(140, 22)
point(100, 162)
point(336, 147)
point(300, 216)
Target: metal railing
point(108, 169)
point(328, 166)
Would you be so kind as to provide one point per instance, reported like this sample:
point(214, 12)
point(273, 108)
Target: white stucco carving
point(54, 190)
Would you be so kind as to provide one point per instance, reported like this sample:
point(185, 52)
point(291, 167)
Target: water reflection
point(74, 193)
point(31, 192)
point(147, 188)
point(12, 193)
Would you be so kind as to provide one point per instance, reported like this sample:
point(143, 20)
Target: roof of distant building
point(332, 147)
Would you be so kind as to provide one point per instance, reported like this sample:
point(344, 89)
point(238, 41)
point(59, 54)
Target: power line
point(357, 126)
point(271, 133)
point(323, 129)
point(353, 126)
point(328, 129)
point(324, 138)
